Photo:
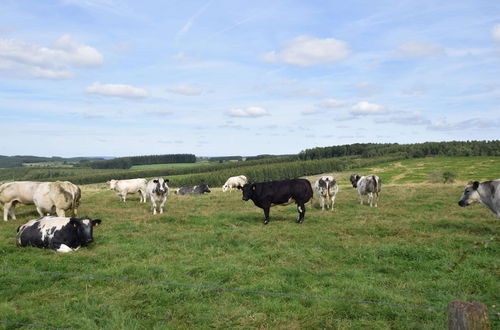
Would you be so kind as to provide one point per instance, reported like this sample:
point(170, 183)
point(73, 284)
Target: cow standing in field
point(157, 191)
point(196, 190)
point(234, 182)
point(367, 185)
point(57, 233)
point(13, 193)
point(57, 197)
point(131, 186)
point(486, 193)
point(327, 189)
point(267, 194)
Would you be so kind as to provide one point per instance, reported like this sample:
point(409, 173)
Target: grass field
point(419, 248)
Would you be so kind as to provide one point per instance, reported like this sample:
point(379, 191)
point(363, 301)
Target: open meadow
point(209, 262)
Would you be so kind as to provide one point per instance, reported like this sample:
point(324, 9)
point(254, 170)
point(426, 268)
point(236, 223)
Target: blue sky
point(216, 77)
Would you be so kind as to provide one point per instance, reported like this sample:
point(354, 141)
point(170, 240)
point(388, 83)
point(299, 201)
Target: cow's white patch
point(64, 249)
point(50, 225)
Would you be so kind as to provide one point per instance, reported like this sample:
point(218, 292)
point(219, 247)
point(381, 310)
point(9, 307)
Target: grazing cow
point(234, 182)
point(196, 190)
point(157, 191)
point(367, 185)
point(57, 197)
point(13, 193)
point(131, 186)
point(487, 193)
point(327, 189)
point(57, 233)
point(267, 194)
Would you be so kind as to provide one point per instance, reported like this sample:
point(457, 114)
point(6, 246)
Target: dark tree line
point(453, 148)
point(128, 162)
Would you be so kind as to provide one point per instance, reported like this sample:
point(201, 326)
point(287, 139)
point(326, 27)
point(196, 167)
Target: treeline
point(18, 161)
point(453, 148)
point(128, 162)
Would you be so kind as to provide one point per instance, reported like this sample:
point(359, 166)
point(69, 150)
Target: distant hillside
point(18, 160)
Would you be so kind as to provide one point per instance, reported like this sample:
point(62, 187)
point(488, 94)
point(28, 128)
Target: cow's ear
point(475, 185)
point(167, 180)
point(96, 222)
point(155, 181)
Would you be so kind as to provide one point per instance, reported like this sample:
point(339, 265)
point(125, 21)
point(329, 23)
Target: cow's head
point(112, 184)
point(205, 189)
point(354, 179)
point(247, 190)
point(225, 187)
point(470, 194)
point(161, 187)
point(84, 229)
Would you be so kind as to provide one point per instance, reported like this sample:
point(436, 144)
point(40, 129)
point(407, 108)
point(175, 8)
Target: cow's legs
point(143, 196)
point(333, 201)
point(8, 211)
point(360, 199)
point(153, 206)
point(322, 202)
point(40, 211)
point(302, 211)
point(370, 199)
point(161, 204)
point(60, 212)
point(266, 214)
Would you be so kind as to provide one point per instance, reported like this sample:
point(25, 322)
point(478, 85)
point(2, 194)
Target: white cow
point(131, 186)
point(234, 182)
point(486, 193)
point(13, 193)
point(157, 191)
point(327, 189)
point(57, 197)
point(367, 185)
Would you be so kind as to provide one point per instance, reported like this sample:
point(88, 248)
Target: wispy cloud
point(250, 112)
point(187, 26)
point(495, 33)
point(117, 90)
point(420, 49)
point(185, 90)
point(309, 51)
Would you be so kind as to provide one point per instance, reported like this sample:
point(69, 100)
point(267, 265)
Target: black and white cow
point(267, 194)
point(157, 191)
point(486, 193)
point(195, 190)
point(327, 189)
point(61, 234)
point(367, 185)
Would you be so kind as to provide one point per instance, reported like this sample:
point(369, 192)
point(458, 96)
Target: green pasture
point(360, 267)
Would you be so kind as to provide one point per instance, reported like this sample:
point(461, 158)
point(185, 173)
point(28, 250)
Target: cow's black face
point(354, 179)
point(247, 191)
point(84, 229)
point(206, 189)
point(161, 186)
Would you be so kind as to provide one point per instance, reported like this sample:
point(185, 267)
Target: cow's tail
point(376, 181)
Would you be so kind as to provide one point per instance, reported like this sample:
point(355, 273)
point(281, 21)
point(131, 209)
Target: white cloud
point(185, 90)
point(44, 62)
point(116, 90)
point(250, 112)
point(413, 118)
point(495, 33)
point(365, 108)
point(309, 51)
point(420, 49)
point(332, 103)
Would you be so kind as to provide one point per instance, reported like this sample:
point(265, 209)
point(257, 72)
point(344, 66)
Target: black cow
point(196, 190)
point(57, 233)
point(267, 194)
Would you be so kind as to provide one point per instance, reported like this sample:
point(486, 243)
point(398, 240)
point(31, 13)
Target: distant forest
point(128, 162)
point(18, 161)
point(366, 150)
